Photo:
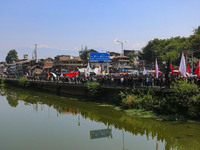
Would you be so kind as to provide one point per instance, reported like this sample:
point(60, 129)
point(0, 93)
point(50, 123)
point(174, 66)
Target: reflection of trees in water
point(3, 91)
point(181, 136)
point(12, 99)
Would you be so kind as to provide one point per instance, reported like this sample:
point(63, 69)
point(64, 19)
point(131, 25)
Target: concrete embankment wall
point(69, 89)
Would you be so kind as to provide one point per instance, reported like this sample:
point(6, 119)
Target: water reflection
point(182, 136)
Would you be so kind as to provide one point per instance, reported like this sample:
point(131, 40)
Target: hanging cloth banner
point(71, 74)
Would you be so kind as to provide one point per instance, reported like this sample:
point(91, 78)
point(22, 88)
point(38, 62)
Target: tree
point(11, 56)
point(195, 42)
point(131, 55)
point(163, 49)
point(172, 55)
point(197, 31)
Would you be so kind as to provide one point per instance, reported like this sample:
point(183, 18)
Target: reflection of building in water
point(123, 148)
point(79, 122)
point(157, 146)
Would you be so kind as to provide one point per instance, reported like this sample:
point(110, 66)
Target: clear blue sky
point(65, 25)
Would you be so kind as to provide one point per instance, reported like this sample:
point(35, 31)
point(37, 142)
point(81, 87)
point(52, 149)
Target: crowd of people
point(117, 80)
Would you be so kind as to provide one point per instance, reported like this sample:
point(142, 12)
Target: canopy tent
point(158, 71)
point(175, 72)
point(82, 70)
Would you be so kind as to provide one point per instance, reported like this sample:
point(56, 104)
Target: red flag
point(188, 69)
point(197, 71)
point(71, 74)
point(101, 68)
point(127, 72)
point(85, 73)
point(48, 74)
point(171, 67)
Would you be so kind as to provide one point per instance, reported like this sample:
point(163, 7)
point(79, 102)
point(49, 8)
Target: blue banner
point(100, 133)
point(99, 57)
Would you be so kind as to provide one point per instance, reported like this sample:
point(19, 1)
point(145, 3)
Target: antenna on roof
point(35, 51)
point(33, 56)
point(86, 47)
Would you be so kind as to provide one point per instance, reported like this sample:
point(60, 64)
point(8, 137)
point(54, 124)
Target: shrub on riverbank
point(93, 88)
point(183, 100)
point(3, 80)
point(23, 82)
point(137, 99)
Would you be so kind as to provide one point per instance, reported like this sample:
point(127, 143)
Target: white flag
point(85, 73)
point(96, 71)
point(54, 74)
point(99, 71)
point(182, 67)
point(88, 69)
point(156, 66)
point(144, 71)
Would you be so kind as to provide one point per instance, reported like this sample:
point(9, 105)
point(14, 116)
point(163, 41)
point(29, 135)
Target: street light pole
point(122, 44)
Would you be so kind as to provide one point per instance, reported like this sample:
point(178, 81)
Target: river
point(32, 120)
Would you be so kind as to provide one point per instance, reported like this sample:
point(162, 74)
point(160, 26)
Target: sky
point(62, 26)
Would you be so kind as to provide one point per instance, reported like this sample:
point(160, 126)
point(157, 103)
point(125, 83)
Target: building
point(36, 70)
point(66, 63)
point(134, 58)
point(85, 55)
point(48, 65)
point(11, 69)
point(119, 63)
point(3, 67)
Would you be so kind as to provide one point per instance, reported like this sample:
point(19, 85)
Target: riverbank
point(181, 102)
point(108, 93)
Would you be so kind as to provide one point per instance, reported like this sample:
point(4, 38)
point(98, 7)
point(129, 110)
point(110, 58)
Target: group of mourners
point(121, 80)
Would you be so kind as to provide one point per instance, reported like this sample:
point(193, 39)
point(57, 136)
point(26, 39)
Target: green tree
point(132, 57)
point(173, 55)
point(195, 42)
point(11, 56)
point(162, 49)
point(197, 31)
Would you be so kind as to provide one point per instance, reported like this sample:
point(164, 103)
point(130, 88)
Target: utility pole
point(190, 59)
point(192, 64)
point(107, 60)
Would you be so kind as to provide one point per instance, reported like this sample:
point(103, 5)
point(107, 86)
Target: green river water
point(31, 120)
